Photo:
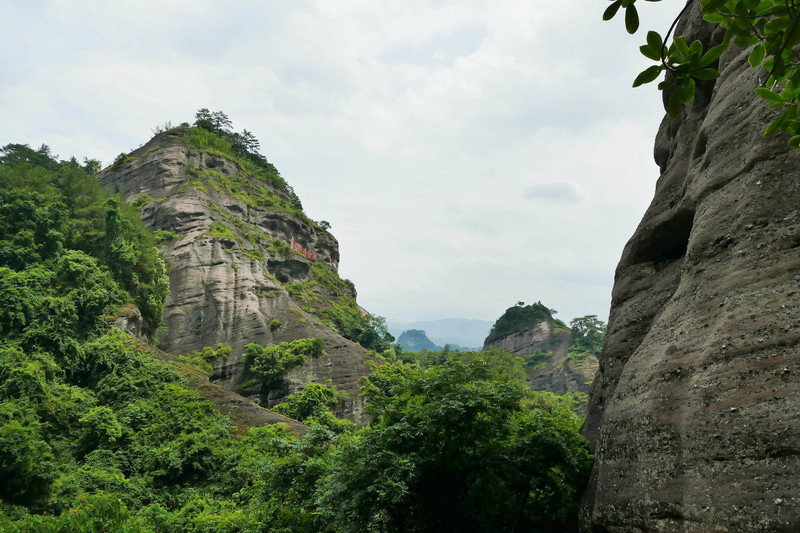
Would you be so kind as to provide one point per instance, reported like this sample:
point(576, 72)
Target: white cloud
point(412, 127)
point(560, 192)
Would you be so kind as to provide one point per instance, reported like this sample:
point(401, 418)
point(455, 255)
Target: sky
point(468, 155)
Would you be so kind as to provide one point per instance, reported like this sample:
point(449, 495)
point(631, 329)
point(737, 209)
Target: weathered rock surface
point(227, 276)
point(559, 373)
point(693, 414)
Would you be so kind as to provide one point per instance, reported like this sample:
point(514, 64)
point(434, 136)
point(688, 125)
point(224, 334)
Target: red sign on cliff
point(305, 251)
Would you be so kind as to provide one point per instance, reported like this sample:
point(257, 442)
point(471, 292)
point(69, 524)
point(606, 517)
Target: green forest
point(101, 432)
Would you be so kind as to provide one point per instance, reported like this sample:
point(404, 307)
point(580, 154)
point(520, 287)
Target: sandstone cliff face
point(559, 373)
point(229, 266)
point(694, 412)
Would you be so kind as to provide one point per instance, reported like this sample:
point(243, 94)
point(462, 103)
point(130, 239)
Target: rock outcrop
point(415, 340)
point(551, 368)
point(228, 248)
point(693, 414)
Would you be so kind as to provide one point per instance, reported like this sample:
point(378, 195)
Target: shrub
point(267, 363)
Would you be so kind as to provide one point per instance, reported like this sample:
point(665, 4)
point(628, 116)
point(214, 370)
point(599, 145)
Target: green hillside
point(100, 433)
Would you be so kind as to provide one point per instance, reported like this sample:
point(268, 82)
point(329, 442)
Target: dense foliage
point(58, 229)
point(265, 363)
point(453, 449)
point(99, 433)
point(588, 334)
point(314, 406)
point(770, 27)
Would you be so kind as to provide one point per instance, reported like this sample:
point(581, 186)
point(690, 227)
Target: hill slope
point(246, 265)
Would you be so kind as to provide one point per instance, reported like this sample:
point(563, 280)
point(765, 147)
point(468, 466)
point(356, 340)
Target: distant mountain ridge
point(463, 332)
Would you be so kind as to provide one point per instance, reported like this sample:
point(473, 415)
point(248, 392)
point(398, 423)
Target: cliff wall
point(230, 265)
point(693, 414)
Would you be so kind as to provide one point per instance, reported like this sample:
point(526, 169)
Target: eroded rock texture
point(227, 277)
point(693, 414)
point(559, 373)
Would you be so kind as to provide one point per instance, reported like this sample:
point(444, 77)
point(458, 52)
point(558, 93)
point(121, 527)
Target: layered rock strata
point(693, 414)
point(230, 263)
point(559, 373)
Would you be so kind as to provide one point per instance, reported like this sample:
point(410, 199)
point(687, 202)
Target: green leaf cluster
point(264, 364)
point(770, 27)
point(313, 405)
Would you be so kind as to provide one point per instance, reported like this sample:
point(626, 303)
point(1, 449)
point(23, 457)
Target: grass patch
point(219, 230)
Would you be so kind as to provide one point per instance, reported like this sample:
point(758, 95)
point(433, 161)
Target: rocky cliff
point(694, 412)
point(235, 246)
point(544, 344)
point(414, 340)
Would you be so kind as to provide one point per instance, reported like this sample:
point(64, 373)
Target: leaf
point(686, 89)
point(674, 105)
point(792, 88)
point(696, 49)
point(757, 55)
point(769, 96)
point(650, 52)
point(712, 55)
point(655, 41)
point(710, 6)
point(681, 48)
point(631, 19)
point(775, 126)
point(714, 18)
point(705, 74)
point(794, 142)
point(648, 75)
point(776, 25)
point(611, 10)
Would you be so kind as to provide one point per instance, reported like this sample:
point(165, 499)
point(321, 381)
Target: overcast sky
point(468, 155)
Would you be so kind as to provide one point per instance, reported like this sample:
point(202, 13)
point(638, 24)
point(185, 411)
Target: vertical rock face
point(694, 413)
point(556, 372)
point(230, 263)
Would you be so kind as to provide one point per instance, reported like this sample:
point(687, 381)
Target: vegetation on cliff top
point(521, 316)
point(586, 333)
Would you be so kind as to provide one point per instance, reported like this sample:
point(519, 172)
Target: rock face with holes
point(695, 412)
point(230, 263)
